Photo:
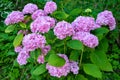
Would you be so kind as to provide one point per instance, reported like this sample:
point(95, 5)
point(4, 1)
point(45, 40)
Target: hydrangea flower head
point(86, 38)
point(18, 48)
point(33, 41)
point(14, 17)
point(106, 18)
point(74, 67)
point(38, 13)
point(83, 23)
point(59, 71)
point(50, 7)
point(63, 29)
point(22, 57)
point(42, 24)
point(29, 8)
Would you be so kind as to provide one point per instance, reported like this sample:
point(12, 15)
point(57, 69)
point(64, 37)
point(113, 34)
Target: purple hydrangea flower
point(74, 67)
point(25, 32)
point(38, 13)
point(86, 38)
point(14, 17)
point(83, 23)
point(18, 48)
point(106, 18)
point(29, 8)
point(22, 57)
point(63, 29)
point(59, 71)
point(50, 7)
point(42, 24)
point(40, 59)
point(46, 49)
point(33, 41)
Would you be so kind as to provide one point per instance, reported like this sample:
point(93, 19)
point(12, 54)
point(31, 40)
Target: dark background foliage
point(9, 68)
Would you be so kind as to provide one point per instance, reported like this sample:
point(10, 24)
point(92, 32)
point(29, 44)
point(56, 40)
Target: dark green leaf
point(10, 28)
point(56, 60)
point(18, 39)
point(40, 69)
point(75, 12)
point(74, 55)
point(75, 44)
point(80, 77)
point(92, 70)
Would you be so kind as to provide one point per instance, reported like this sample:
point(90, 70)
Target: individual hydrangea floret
point(74, 67)
point(29, 8)
point(23, 56)
point(33, 41)
point(14, 17)
point(86, 38)
point(38, 13)
point(42, 24)
point(18, 49)
point(106, 18)
point(59, 71)
point(83, 23)
point(50, 7)
point(63, 29)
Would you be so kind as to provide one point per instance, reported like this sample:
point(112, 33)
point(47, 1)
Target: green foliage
point(10, 28)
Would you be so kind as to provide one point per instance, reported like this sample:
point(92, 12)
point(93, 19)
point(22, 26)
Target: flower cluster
point(63, 29)
point(106, 18)
point(65, 69)
point(14, 17)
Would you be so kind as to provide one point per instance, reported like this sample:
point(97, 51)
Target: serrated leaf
point(23, 25)
point(56, 60)
point(18, 39)
point(100, 59)
point(74, 55)
point(93, 70)
point(40, 70)
point(75, 44)
point(60, 15)
point(10, 28)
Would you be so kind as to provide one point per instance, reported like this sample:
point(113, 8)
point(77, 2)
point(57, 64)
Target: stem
point(81, 58)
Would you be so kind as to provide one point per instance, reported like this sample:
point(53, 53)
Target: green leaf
point(40, 70)
point(75, 44)
point(23, 25)
point(100, 59)
point(75, 12)
point(80, 77)
point(18, 39)
point(10, 28)
point(100, 32)
point(74, 55)
point(93, 70)
point(56, 60)
point(60, 15)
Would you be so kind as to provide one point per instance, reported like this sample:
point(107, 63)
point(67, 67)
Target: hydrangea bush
point(58, 45)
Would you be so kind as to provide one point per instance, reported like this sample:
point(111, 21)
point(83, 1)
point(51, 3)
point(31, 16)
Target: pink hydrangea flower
point(46, 49)
point(86, 38)
point(33, 41)
point(14, 17)
point(83, 23)
point(18, 48)
point(106, 18)
point(63, 29)
point(22, 57)
point(74, 67)
point(40, 59)
point(42, 24)
point(25, 32)
point(50, 7)
point(38, 13)
point(29, 8)
point(59, 71)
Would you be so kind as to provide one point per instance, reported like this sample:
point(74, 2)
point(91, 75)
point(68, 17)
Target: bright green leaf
point(75, 44)
point(56, 60)
point(23, 25)
point(60, 15)
point(10, 28)
point(100, 59)
point(92, 70)
point(40, 69)
point(18, 39)
point(75, 12)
